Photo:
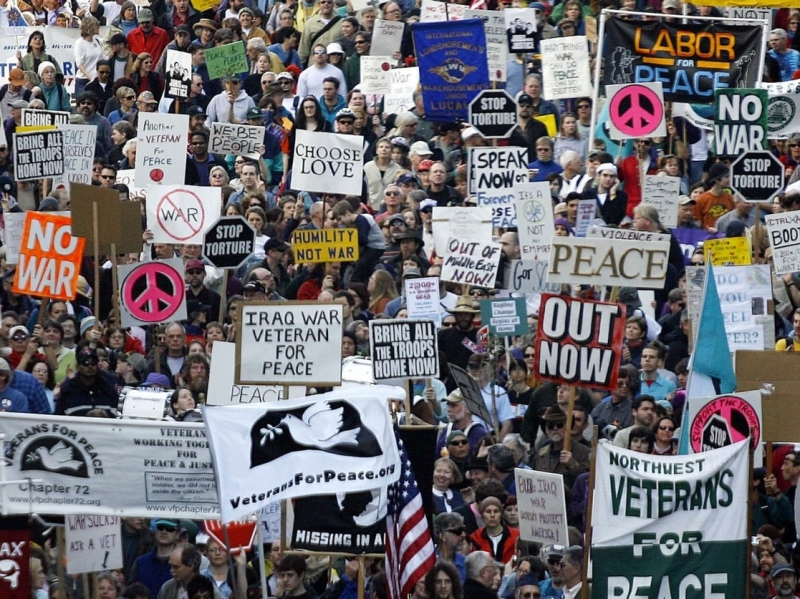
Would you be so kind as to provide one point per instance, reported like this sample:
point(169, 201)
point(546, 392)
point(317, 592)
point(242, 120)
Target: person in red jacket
point(632, 169)
point(147, 37)
point(495, 537)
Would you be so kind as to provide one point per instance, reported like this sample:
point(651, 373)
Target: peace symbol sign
point(636, 111)
point(153, 292)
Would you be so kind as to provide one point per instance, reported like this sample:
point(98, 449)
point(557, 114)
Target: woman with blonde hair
point(382, 290)
point(218, 176)
point(380, 172)
point(126, 96)
point(88, 49)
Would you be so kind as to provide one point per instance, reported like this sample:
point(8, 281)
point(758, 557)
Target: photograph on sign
point(177, 74)
point(520, 29)
point(376, 75)
point(93, 543)
point(38, 155)
point(152, 292)
point(386, 37)
point(423, 299)
point(494, 174)
point(663, 193)
point(325, 245)
point(723, 420)
point(289, 343)
point(542, 507)
point(328, 162)
point(239, 140)
point(403, 349)
point(181, 213)
point(161, 142)
point(565, 68)
point(471, 262)
point(579, 341)
point(461, 222)
point(636, 110)
point(505, 316)
point(740, 121)
point(783, 231)
point(534, 208)
point(229, 242)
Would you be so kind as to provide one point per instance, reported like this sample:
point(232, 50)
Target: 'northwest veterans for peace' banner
point(328, 162)
point(338, 442)
point(493, 174)
point(38, 155)
point(665, 524)
point(325, 245)
point(403, 349)
point(100, 467)
point(579, 341)
point(565, 67)
point(453, 67)
point(691, 61)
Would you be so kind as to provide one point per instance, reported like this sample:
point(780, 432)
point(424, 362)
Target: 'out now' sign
point(49, 257)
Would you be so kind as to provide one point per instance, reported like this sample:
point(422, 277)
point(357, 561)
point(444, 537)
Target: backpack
point(26, 93)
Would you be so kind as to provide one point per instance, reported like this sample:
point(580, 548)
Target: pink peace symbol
point(636, 111)
point(153, 304)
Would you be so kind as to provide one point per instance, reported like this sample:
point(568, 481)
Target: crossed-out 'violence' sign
point(325, 245)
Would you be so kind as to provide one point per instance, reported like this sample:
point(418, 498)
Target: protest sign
point(494, 174)
point(223, 391)
point(520, 29)
point(376, 74)
point(152, 292)
point(402, 83)
point(325, 245)
point(542, 507)
point(79, 144)
point(161, 145)
point(289, 343)
point(126, 177)
point(579, 341)
point(49, 257)
point(783, 118)
point(690, 114)
point(740, 121)
point(93, 543)
point(641, 52)
point(38, 155)
point(452, 66)
point(118, 222)
point(181, 213)
point(41, 120)
point(598, 261)
point(663, 193)
point(534, 209)
point(728, 251)
point(239, 140)
point(328, 162)
point(225, 60)
point(494, 26)
point(471, 393)
point(177, 74)
point(723, 420)
point(15, 551)
point(598, 232)
point(464, 223)
point(422, 299)
point(301, 447)
point(434, 11)
point(636, 111)
point(403, 349)
point(505, 316)
point(14, 224)
point(529, 276)
point(636, 550)
point(471, 262)
point(780, 408)
point(565, 68)
point(690, 240)
point(171, 459)
point(587, 210)
point(784, 239)
point(386, 37)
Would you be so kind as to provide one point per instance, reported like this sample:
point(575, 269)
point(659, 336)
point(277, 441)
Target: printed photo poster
point(328, 162)
point(565, 68)
point(162, 140)
point(177, 74)
point(520, 29)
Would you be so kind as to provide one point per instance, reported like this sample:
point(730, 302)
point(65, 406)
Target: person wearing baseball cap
point(686, 212)
point(91, 389)
point(14, 91)
point(611, 203)
point(196, 290)
point(147, 37)
point(528, 127)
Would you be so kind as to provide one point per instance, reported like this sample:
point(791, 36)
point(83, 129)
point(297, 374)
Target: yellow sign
point(729, 251)
point(325, 245)
point(203, 5)
point(549, 121)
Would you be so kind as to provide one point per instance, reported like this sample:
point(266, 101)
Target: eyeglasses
point(350, 123)
point(215, 550)
point(542, 149)
point(582, 106)
point(359, 42)
point(287, 82)
point(794, 145)
point(103, 72)
point(644, 142)
point(460, 442)
point(458, 530)
point(166, 528)
point(107, 177)
point(88, 361)
point(86, 103)
point(666, 428)
point(446, 324)
point(19, 337)
point(235, 81)
point(392, 193)
point(319, 52)
point(130, 97)
point(238, 161)
point(554, 561)
point(529, 355)
point(554, 425)
point(531, 595)
point(198, 143)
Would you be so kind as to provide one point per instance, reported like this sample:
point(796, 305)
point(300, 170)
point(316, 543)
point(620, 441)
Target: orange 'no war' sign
point(49, 257)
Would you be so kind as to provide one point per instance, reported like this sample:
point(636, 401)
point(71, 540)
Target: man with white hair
point(788, 59)
point(480, 570)
point(611, 203)
point(255, 47)
point(572, 164)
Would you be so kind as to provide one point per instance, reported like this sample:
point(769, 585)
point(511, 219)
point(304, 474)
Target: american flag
point(409, 548)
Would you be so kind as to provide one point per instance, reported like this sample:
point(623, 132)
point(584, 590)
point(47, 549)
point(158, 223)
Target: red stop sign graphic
point(241, 533)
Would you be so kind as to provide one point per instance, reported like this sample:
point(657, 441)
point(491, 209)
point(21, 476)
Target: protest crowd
point(545, 295)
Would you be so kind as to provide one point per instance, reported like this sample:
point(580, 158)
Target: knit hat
point(491, 501)
point(43, 65)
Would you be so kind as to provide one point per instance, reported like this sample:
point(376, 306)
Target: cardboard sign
point(386, 37)
point(422, 299)
point(626, 234)
point(505, 316)
point(376, 74)
point(79, 144)
point(38, 155)
point(494, 25)
point(161, 145)
point(777, 374)
point(49, 257)
point(181, 213)
point(579, 341)
point(520, 29)
point(663, 193)
point(404, 349)
point(593, 261)
point(534, 208)
point(228, 59)
point(41, 120)
point(464, 223)
point(118, 222)
point(152, 292)
point(740, 121)
point(471, 262)
point(94, 543)
point(636, 110)
point(328, 162)
point(177, 74)
point(587, 211)
point(565, 67)
point(325, 245)
point(239, 140)
point(529, 276)
point(403, 83)
point(784, 239)
point(542, 507)
point(728, 251)
point(289, 343)
point(494, 174)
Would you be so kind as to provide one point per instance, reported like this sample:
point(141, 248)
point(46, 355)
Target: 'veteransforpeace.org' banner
point(665, 525)
point(690, 61)
point(107, 467)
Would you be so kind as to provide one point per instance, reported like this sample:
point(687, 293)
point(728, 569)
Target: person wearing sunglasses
point(552, 457)
point(322, 29)
point(644, 158)
point(664, 430)
point(450, 536)
point(464, 428)
point(231, 104)
point(152, 569)
point(91, 389)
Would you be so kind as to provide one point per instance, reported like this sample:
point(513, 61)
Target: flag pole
point(588, 528)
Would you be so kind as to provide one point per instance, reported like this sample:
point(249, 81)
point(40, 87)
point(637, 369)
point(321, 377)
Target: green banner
point(740, 121)
point(229, 59)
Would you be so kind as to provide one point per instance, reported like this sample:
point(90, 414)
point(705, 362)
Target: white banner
point(181, 213)
point(94, 543)
point(784, 239)
point(626, 234)
point(100, 467)
point(565, 68)
point(663, 193)
point(79, 143)
point(239, 140)
point(161, 145)
point(328, 162)
point(376, 75)
point(494, 174)
point(494, 26)
point(542, 507)
point(337, 442)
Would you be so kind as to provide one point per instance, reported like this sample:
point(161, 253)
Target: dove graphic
point(319, 427)
point(58, 457)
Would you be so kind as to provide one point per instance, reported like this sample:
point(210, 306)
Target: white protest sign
point(529, 276)
point(94, 543)
point(289, 343)
point(403, 349)
point(494, 26)
point(79, 143)
point(494, 174)
point(386, 37)
point(744, 296)
point(748, 12)
point(587, 209)
point(784, 239)
point(162, 140)
point(542, 507)
point(463, 223)
point(375, 74)
point(783, 116)
point(126, 177)
point(596, 261)
point(239, 140)
point(432, 10)
point(14, 222)
point(565, 67)
point(223, 391)
point(422, 299)
point(328, 162)
point(663, 193)
point(181, 213)
point(534, 208)
point(403, 83)
point(627, 234)
point(471, 262)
